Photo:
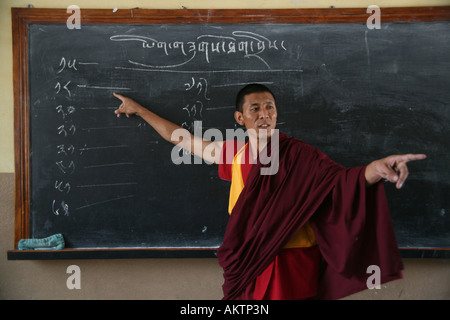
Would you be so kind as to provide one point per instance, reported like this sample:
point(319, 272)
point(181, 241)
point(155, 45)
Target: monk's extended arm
point(166, 130)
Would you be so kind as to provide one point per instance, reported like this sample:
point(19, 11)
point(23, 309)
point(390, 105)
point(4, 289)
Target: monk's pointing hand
point(393, 168)
point(128, 106)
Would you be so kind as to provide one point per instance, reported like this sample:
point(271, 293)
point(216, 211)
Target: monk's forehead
point(258, 97)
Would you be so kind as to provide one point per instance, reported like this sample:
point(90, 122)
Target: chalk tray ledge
point(144, 253)
point(111, 253)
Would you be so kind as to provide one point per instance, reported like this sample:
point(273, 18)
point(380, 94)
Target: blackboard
point(358, 94)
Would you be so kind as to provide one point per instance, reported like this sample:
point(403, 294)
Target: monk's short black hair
point(249, 89)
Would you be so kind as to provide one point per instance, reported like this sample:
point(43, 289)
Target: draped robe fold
point(351, 223)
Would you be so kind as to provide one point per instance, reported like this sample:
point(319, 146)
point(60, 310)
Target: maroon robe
point(351, 222)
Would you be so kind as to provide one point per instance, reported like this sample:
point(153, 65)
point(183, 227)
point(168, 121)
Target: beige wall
point(156, 278)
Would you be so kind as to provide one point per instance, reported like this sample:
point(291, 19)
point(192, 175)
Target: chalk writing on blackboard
point(242, 44)
point(67, 129)
point(250, 44)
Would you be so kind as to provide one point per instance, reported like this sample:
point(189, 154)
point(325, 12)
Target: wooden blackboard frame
point(22, 17)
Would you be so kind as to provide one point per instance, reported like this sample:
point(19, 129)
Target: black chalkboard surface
point(354, 93)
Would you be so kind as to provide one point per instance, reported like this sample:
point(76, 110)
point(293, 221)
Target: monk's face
point(259, 113)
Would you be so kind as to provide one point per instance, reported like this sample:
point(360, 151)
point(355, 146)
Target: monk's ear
point(239, 117)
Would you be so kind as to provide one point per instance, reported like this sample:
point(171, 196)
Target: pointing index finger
point(402, 167)
point(413, 157)
point(118, 96)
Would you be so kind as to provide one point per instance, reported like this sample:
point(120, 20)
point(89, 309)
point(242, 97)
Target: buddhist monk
point(306, 227)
